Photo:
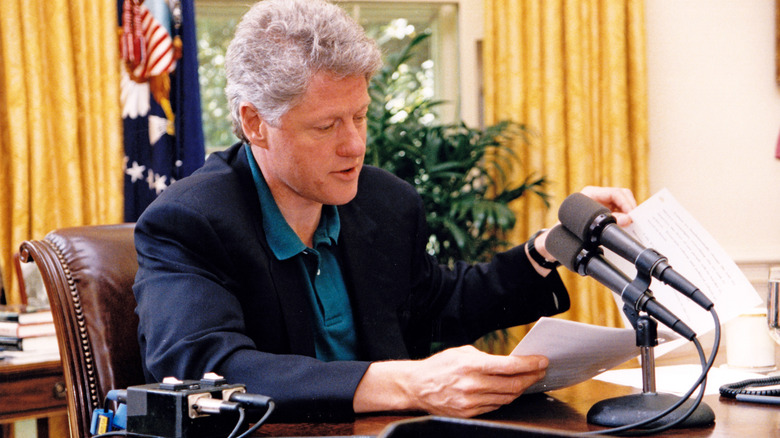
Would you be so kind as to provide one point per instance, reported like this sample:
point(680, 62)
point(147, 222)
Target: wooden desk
point(37, 390)
point(31, 390)
point(566, 410)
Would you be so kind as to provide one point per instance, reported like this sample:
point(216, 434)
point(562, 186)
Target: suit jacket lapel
point(373, 286)
point(289, 286)
point(296, 307)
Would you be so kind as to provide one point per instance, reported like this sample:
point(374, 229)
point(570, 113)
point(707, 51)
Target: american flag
point(163, 133)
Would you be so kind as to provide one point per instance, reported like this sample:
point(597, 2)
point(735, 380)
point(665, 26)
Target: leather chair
point(88, 273)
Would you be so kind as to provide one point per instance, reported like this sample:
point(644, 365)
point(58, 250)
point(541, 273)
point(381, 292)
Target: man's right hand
point(458, 382)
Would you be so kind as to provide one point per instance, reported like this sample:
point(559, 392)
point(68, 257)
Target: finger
point(624, 200)
point(513, 365)
point(614, 198)
point(511, 385)
point(622, 219)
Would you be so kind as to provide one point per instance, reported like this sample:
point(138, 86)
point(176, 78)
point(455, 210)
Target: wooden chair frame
point(88, 273)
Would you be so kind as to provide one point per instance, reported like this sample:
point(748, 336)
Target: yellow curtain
point(60, 120)
point(574, 72)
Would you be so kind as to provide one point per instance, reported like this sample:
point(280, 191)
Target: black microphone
point(593, 224)
point(571, 252)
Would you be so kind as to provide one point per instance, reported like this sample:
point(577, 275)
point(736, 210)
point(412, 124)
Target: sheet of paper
point(678, 379)
point(577, 351)
point(663, 224)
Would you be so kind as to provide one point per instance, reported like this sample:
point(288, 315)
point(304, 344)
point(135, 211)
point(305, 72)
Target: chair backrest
point(88, 273)
point(20, 277)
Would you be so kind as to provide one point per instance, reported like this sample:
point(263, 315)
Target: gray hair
point(280, 44)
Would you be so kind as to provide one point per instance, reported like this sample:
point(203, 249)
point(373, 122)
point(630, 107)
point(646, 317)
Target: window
point(390, 23)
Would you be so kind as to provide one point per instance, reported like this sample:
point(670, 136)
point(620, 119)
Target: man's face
point(314, 155)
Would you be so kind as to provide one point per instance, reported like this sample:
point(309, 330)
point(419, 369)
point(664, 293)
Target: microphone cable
point(260, 422)
point(241, 417)
point(701, 382)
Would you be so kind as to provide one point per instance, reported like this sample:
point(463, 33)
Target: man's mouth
point(349, 171)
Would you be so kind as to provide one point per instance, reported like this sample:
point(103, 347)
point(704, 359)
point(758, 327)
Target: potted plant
point(460, 172)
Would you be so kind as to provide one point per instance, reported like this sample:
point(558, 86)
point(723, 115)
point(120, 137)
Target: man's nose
point(353, 142)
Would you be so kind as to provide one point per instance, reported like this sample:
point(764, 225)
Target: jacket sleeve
point(505, 292)
point(447, 305)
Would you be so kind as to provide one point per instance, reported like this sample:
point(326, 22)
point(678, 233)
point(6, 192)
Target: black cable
point(639, 424)
point(701, 381)
point(271, 406)
point(731, 390)
point(241, 417)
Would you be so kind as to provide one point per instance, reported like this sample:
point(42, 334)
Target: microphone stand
point(630, 409)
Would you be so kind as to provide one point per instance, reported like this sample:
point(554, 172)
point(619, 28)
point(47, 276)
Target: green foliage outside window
point(214, 35)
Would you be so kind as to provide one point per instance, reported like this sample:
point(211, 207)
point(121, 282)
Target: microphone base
point(621, 411)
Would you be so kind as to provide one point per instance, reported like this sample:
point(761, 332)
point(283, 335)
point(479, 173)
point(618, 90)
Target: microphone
point(569, 250)
point(593, 224)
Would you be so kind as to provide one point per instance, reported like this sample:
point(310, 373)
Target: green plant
point(460, 172)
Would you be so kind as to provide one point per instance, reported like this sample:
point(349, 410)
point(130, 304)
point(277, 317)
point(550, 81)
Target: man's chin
point(343, 198)
point(343, 193)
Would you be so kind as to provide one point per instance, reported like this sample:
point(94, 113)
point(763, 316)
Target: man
point(288, 266)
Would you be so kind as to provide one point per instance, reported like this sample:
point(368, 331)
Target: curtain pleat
point(60, 122)
point(574, 72)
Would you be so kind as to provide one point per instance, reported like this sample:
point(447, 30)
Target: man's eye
point(326, 127)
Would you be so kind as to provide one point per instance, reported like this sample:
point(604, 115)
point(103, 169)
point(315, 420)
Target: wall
point(714, 118)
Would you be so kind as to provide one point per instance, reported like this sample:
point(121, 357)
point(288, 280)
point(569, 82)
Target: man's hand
point(619, 201)
point(458, 382)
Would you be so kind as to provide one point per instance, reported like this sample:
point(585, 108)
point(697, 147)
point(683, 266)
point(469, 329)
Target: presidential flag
point(163, 133)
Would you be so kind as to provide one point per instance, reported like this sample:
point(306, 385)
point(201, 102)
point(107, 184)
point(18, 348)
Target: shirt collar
point(282, 240)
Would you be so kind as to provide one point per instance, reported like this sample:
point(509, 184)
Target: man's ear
point(252, 124)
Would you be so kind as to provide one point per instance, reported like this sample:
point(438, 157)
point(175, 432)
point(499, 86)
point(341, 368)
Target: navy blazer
point(212, 297)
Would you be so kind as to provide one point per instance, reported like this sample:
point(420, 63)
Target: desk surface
point(566, 410)
point(37, 389)
point(31, 390)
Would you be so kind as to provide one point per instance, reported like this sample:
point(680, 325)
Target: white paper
point(663, 224)
point(678, 379)
point(576, 351)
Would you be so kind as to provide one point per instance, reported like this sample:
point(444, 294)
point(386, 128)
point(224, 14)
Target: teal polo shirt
point(334, 326)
